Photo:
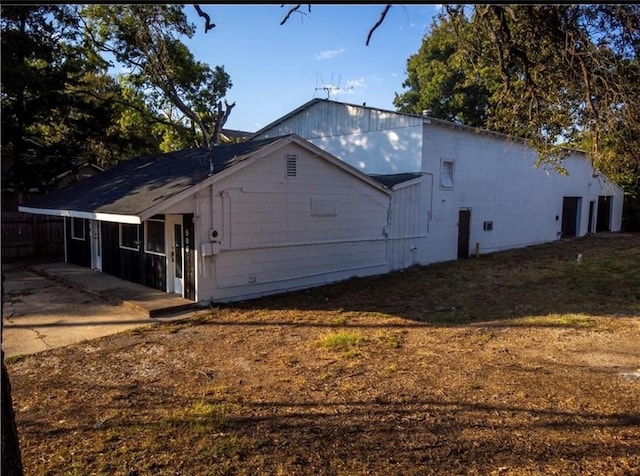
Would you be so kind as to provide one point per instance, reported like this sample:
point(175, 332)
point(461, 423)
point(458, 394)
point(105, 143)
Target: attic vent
point(291, 165)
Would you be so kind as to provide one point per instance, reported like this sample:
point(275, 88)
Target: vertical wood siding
point(371, 140)
point(325, 119)
point(408, 224)
point(78, 251)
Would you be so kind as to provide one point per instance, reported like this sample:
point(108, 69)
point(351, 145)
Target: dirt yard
point(525, 362)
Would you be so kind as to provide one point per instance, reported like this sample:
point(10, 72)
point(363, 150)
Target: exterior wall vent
point(291, 165)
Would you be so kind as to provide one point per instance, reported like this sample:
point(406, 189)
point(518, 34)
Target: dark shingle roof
point(136, 185)
point(389, 180)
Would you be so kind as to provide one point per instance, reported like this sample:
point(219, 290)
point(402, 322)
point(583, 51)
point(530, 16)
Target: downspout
point(66, 257)
point(430, 201)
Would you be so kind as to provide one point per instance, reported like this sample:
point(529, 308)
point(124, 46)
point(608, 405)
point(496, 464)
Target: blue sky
point(275, 69)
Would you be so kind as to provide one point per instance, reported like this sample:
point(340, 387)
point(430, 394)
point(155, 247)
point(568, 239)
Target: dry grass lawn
point(524, 362)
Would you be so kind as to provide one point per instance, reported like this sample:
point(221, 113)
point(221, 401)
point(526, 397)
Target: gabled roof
point(136, 189)
point(78, 167)
point(134, 186)
point(391, 180)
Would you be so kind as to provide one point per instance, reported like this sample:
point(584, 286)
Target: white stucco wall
point(497, 180)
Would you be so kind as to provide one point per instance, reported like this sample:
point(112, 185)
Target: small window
point(129, 236)
point(291, 165)
point(77, 228)
point(446, 174)
point(487, 226)
point(154, 237)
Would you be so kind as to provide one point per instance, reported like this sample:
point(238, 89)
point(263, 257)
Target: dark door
point(592, 205)
point(464, 220)
point(570, 216)
point(603, 222)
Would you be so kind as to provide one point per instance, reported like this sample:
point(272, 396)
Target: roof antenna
point(330, 88)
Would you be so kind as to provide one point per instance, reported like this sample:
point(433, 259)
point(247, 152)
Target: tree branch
point(207, 25)
point(378, 23)
point(221, 119)
point(151, 118)
point(291, 11)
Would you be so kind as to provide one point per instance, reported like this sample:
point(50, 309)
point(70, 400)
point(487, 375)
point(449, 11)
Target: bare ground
point(524, 362)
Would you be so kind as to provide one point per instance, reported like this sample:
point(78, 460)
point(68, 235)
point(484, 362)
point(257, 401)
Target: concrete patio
point(116, 291)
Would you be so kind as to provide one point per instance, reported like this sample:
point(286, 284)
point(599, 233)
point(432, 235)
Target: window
point(154, 237)
point(446, 174)
point(129, 236)
point(291, 165)
point(77, 228)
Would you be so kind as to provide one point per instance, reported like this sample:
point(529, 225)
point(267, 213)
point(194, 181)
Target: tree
point(36, 67)
point(557, 75)
point(146, 40)
point(57, 93)
point(553, 74)
point(11, 464)
point(440, 80)
point(569, 76)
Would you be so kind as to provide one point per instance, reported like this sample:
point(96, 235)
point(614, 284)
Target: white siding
point(184, 206)
point(409, 222)
point(371, 140)
point(269, 239)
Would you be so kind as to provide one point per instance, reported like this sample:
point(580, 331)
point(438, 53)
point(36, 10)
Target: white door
point(96, 244)
point(175, 247)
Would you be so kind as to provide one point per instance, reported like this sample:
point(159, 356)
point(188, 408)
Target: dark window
point(77, 228)
point(154, 237)
point(129, 236)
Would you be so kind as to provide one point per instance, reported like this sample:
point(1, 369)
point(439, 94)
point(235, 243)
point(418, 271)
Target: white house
point(367, 192)
point(273, 215)
point(460, 191)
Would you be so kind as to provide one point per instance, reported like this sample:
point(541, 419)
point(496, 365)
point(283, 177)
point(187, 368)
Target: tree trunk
point(10, 450)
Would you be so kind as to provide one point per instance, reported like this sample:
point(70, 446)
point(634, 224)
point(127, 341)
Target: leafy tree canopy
point(59, 90)
point(146, 40)
point(556, 75)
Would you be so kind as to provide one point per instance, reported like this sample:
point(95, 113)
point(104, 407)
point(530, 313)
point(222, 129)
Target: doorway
point(95, 234)
point(603, 222)
point(464, 222)
point(175, 255)
point(570, 215)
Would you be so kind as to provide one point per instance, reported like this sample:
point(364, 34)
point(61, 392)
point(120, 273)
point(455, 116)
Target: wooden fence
point(26, 236)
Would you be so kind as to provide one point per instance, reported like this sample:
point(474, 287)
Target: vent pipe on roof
point(210, 153)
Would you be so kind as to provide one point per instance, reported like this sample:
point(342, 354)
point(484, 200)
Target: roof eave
point(110, 217)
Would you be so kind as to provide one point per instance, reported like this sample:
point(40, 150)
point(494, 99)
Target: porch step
point(116, 291)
